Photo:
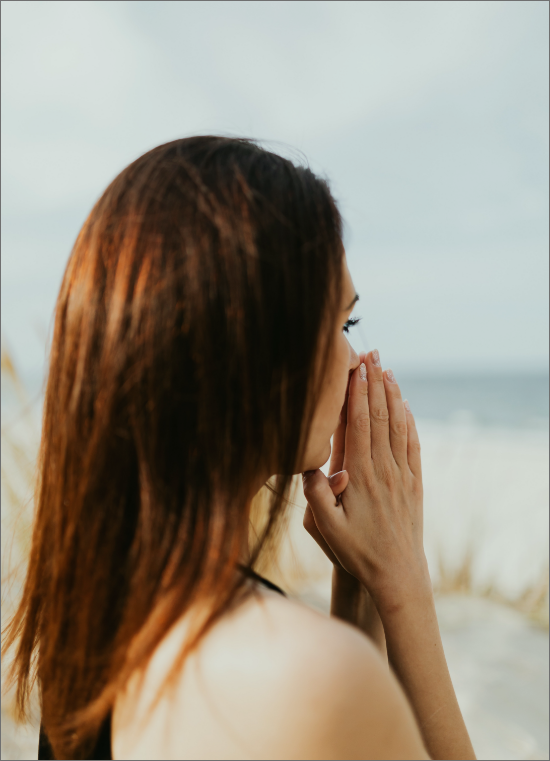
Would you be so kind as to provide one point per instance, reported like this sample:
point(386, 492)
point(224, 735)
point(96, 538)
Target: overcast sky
point(429, 118)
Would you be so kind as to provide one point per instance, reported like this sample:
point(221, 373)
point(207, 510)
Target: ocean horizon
point(486, 399)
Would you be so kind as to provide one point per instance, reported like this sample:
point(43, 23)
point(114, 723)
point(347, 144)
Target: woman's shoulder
point(288, 643)
point(273, 678)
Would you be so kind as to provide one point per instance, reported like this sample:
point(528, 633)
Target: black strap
point(44, 748)
point(265, 582)
point(102, 750)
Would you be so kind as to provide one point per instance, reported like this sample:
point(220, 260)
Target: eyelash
point(350, 323)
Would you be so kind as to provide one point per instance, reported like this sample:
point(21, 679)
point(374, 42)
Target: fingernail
point(376, 358)
point(363, 371)
point(390, 376)
point(336, 478)
point(407, 405)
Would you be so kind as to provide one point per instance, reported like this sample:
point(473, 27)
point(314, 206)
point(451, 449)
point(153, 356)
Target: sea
point(514, 401)
point(497, 399)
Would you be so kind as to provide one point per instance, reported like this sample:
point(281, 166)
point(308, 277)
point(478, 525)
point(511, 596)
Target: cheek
point(328, 413)
point(342, 375)
point(338, 384)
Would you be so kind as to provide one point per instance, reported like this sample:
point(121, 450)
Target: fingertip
point(375, 358)
point(339, 481)
point(345, 481)
point(336, 477)
point(358, 376)
point(359, 382)
point(407, 406)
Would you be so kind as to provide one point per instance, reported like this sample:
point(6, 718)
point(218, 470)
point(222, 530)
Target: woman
point(199, 348)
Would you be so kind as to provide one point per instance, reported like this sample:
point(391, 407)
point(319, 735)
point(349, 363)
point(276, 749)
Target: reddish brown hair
point(183, 366)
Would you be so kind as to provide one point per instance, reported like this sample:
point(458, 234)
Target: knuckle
point(415, 447)
point(313, 492)
point(363, 388)
point(393, 389)
point(362, 422)
point(380, 415)
point(400, 428)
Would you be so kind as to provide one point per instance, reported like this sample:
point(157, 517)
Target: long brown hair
point(184, 365)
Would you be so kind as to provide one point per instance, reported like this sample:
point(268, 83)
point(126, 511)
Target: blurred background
point(430, 120)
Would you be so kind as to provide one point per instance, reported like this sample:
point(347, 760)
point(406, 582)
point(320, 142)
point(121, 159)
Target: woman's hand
point(374, 530)
point(337, 480)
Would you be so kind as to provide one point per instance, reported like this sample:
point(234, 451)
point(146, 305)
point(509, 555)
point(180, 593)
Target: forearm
point(415, 652)
point(351, 602)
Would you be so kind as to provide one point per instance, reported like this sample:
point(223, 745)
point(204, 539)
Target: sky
point(430, 120)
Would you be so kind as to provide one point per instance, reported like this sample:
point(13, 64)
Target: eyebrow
point(355, 299)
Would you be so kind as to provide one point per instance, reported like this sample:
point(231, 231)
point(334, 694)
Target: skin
point(345, 361)
point(373, 535)
point(275, 679)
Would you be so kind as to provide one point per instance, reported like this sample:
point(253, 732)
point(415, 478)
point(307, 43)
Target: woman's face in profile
point(345, 360)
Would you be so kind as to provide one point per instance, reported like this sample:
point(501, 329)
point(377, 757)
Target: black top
point(102, 749)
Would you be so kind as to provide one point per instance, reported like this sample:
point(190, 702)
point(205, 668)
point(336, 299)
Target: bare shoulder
point(348, 701)
point(274, 679)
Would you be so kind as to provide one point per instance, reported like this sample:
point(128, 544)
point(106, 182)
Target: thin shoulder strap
point(101, 752)
point(269, 584)
point(44, 748)
point(103, 746)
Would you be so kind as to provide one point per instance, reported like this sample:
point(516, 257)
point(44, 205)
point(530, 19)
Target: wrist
point(348, 594)
point(352, 602)
point(406, 604)
point(345, 580)
point(410, 590)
